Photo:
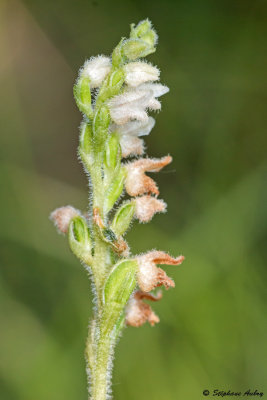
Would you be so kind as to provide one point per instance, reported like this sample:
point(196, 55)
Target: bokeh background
point(212, 333)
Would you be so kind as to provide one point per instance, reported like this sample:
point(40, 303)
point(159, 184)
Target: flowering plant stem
point(114, 95)
point(100, 346)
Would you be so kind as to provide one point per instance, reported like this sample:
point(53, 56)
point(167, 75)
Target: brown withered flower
point(149, 276)
point(147, 206)
point(137, 182)
point(62, 216)
point(137, 312)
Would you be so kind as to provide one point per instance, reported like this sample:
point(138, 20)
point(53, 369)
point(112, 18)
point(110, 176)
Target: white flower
point(139, 72)
point(157, 88)
point(96, 69)
point(129, 132)
point(135, 128)
point(133, 103)
point(130, 105)
point(131, 145)
point(154, 104)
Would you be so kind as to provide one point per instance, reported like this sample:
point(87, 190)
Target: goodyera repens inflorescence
point(114, 95)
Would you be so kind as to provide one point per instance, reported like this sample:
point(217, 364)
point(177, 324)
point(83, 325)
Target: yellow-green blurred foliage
point(212, 332)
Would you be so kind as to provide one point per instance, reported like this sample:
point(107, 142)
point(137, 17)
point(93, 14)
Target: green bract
point(112, 153)
point(118, 288)
point(140, 29)
point(136, 48)
point(86, 147)
point(123, 218)
point(100, 127)
point(82, 94)
point(114, 190)
point(79, 239)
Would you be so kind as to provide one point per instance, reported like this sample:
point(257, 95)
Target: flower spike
point(116, 94)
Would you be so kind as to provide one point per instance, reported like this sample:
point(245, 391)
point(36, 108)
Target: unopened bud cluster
point(115, 95)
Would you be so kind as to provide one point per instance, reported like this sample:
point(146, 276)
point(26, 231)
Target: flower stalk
point(114, 95)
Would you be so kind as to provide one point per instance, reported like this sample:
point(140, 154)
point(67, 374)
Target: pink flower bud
point(149, 276)
point(147, 207)
point(62, 217)
point(137, 182)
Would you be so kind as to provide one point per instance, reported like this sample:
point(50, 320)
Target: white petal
point(130, 105)
point(157, 88)
point(131, 97)
point(140, 72)
point(131, 145)
point(135, 128)
point(96, 69)
point(154, 104)
point(122, 115)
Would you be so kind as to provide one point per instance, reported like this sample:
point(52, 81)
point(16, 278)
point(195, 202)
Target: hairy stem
point(101, 379)
point(98, 345)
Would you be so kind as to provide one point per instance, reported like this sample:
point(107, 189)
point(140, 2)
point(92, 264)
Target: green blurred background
point(212, 333)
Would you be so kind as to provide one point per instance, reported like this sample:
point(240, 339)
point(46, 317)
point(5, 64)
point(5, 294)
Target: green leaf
point(86, 148)
point(114, 190)
point(151, 38)
point(117, 291)
point(100, 127)
point(117, 55)
point(116, 80)
point(112, 152)
point(140, 29)
point(136, 48)
point(82, 95)
point(123, 218)
point(146, 33)
point(80, 240)
point(119, 326)
point(111, 87)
